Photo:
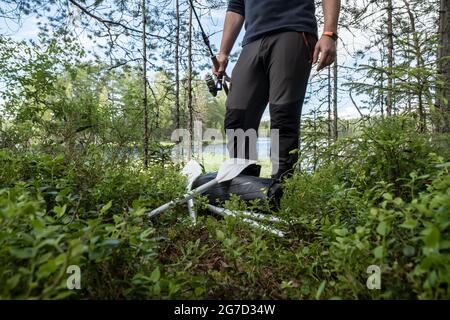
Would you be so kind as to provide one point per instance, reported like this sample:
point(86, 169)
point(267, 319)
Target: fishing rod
point(213, 87)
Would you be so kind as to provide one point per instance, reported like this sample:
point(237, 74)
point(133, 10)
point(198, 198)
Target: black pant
point(274, 69)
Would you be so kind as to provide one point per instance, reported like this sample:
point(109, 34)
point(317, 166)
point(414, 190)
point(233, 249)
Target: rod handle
point(223, 81)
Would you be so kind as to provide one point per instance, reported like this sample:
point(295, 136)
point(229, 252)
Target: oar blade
point(192, 170)
point(231, 168)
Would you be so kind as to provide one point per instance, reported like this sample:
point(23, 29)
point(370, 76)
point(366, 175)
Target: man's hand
point(326, 48)
point(220, 70)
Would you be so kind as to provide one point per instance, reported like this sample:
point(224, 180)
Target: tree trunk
point(177, 67)
point(382, 89)
point(443, 98)
point(144, 79)
point(189, 84)
point(330, 133)
point(335, 100)
point(409, 94)
point(382, 96)
point(419, 62)
point(390, 88)
point(315, 160)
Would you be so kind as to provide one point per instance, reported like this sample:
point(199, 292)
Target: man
point(279, 47)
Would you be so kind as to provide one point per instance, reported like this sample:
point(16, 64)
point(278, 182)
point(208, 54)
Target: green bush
point(55, 214)
point(382, 198)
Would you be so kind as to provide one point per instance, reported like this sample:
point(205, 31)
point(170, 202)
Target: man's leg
point(285, 118)
point(289, 69)
point(247, 100)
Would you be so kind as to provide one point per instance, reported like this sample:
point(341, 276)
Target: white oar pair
point(229, 170)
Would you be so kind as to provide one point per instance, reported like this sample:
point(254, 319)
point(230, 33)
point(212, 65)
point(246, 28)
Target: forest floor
point(379, 201)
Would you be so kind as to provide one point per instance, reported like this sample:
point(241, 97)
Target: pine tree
point(443, 99)
point(144, 82)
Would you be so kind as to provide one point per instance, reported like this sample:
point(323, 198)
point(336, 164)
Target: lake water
point(262, 146)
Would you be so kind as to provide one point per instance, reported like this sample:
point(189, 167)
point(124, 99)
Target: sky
point(213, 23)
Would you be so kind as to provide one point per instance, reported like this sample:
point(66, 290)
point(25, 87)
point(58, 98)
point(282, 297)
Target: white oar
point(192, 170)
point(226, 212)
point(228, 170)
point(261, 217)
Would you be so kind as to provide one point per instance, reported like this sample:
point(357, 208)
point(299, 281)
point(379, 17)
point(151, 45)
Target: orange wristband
point(331, 34)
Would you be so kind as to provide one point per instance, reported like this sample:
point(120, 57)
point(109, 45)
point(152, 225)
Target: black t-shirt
point(267, 16)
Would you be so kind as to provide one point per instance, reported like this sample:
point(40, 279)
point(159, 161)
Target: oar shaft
point(190, 203)
point(205, 186)
point(259, 216)
point(226, 212)
point(191, 210)
point(265, 228)
point(186, 197)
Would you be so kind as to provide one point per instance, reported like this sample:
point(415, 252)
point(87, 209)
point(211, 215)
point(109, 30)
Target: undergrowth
point(381, 198)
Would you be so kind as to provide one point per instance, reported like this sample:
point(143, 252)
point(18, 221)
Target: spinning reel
point(214, 86)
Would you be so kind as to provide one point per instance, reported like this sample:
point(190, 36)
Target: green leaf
point(378, 252)
point(220, 235)
point(320, 289)
point(409, 251)
point(111, 242)
point(13, 281)
point(146, 233)
point(341, 232)
point(106, 207)
point(388, 196)
point(409, 224)
point(60, 211)
point(22, 253)
point(138, 212)
point(383, 228)
point(63, 295)
point(398, 201)
point(445, 244)
point(432, 237)
point(156, 275)
point(199, 291)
